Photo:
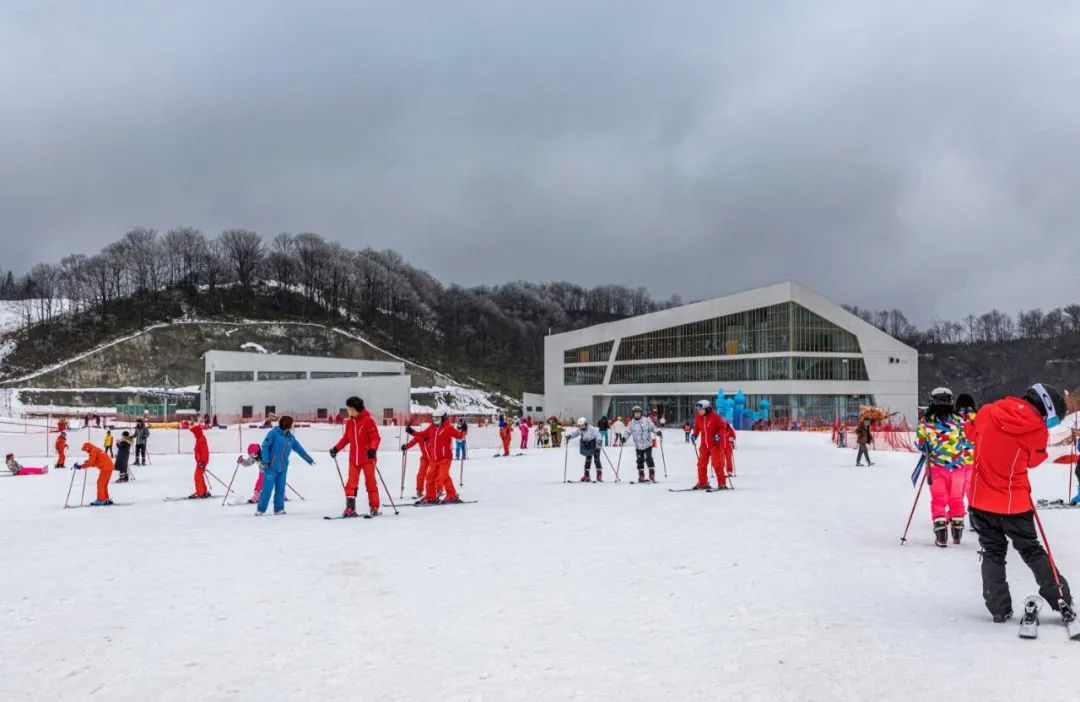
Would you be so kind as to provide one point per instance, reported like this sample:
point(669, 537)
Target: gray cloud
point(914, 155)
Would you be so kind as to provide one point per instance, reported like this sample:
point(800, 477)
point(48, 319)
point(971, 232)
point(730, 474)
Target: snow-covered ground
point(792, 587)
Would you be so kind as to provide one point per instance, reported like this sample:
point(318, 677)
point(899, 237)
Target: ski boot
point(599, 476)
point(702, 486)
point(1003, 617)
point(279, 514)
point(449, 501)
point(941, 532)
point(100, 503)
point(350, 507)
point(652, 475)
point(641, 476)
point(374, 513)
point(585, 478)
point(1068, 618)
point(426, 501)
point(123, 478)
point(956, 527)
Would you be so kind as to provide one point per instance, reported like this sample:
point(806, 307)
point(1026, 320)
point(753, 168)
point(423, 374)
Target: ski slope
point(792, 587)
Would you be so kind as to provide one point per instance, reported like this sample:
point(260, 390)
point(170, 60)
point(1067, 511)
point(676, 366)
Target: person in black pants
point(123, 453)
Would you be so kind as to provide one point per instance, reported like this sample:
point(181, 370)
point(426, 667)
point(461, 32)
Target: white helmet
point(703, 404)
point(582, 422)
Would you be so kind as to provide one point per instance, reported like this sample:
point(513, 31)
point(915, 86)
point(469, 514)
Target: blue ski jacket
point(276, 448)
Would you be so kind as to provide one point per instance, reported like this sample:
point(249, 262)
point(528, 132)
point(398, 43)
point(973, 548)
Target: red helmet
point(253, 449)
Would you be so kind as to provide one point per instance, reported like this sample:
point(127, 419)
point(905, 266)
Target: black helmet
point(1049, 401)
point(965, 401)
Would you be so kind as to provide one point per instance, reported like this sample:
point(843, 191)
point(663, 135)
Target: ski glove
point(404, 448)
point(371, 454)
point(77, 467)
point(716, 438)
point(333, 453)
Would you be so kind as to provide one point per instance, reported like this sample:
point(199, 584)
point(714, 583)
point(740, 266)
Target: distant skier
point(940, 436)
point(98, 459)
point(425, 471)
point(202, 460)
point(603, 425)
point(641, 431)
point(461, 446)
point(438, 436)
point(123, 454)
point(109, 443)
point(61, 450)
point(712, 428)
point(1010, 436)
point(362, 437)
point(589, 447)
point(863, 436)
point(618, 432)
point(142, 438)
point(276, 449)
point(687, 429)
point(505, 435)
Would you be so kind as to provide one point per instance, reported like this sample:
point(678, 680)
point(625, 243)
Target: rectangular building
point(807, 356)
point(252, 385)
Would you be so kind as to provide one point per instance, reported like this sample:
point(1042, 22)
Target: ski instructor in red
point(362, 437)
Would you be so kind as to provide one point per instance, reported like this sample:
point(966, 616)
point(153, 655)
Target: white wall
point(307, 396)
point(534, 400)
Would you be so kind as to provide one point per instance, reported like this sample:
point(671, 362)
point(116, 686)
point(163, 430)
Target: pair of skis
point(1029, 622)
point(698, 489)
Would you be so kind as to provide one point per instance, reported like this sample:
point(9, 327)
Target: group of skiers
point(716, 447)
point(985, 456)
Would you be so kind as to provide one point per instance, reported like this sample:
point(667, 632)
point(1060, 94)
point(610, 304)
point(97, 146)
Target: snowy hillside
point(792, 587)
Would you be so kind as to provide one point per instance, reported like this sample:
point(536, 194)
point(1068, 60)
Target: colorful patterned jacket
point(944, 440)
point(967, 446)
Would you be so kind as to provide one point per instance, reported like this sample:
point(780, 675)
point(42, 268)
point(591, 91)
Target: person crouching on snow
point(641, 431)
point(589, 447)
point(17, 468)
point(941, 437)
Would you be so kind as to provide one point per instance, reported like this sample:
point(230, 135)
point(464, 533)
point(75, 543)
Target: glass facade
point(775, 329)
point(323, 375)
point(745, 369)
point(817, 409)
point(233, 376)
point(584, 375)
point(597, 353)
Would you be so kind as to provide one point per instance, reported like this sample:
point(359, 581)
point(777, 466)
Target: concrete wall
point(537, 402)
point(893, 383)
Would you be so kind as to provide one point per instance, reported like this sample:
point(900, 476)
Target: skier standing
point(523, 429)
point(61, 450)
point(940, 436)
point(362, 437)
point(424, 472)
point(712, 428)
point(863, 436)
point(687, 429)
point(461, 446)
point(603, 425)
point(589, 447)
point(98, 459)
point(123, 453)
point(641, 431)
point(142, 438)
point(505, 434)
point(618, 430)
point(1010, 436)
point(276, 449)
point(202, 460)
point(109, 443)
point(438, 436)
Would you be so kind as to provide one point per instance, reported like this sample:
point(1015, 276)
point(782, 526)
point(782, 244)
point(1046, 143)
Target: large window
point(233, 376)
point(775, 329)
point(322, 375)
point(703, 371)
point(282, 375)
point(584, 375)
point(830, 369)
point(597, 353)
point(677, 409)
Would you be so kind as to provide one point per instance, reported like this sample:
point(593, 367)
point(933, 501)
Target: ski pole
point(461, 472)
point(388, 495)
point(404, 458)
point(294, 491)
point(663, 460)
point(566, 458)
point(229, 488)
point(1049, 553)
point(83, 498)
point(70, 485)
point(903, 539)
point(217, 479)
point(340, 477)
point(612, 465)
point(618, 463)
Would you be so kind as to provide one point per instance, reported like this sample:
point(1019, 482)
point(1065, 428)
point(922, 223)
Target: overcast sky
point(924, 156)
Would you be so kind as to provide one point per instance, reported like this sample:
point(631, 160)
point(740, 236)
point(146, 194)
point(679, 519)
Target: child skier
point(202, 459)
point(589, 447)
point(1010, 436)
point(438, 435)
point(17, 468)
point(109, 443)
point(505, 434)
point(641, 431)
point(618, 431)
point(276, 449)
point(123, 453)
point(687, 428)
point(362, 437)
point(523, 429)
point(425, 472)
point(61, 450)
point(712, 428)
point(254, 456)
point(940, 436)
point(98, 459)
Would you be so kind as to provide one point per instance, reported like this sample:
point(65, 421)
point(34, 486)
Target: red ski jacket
point(708, 428)
point(202, 449)
point(1010, 436)
point(425, 445)
point(438, 439)
point(361, 435)
point(96, 458)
